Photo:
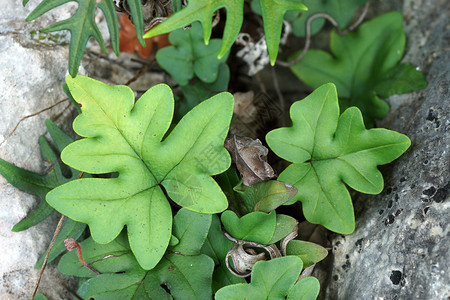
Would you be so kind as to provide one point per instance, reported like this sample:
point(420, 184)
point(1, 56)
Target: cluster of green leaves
point(160, 166)
point(120, 137)
point(202, 11)
point(132, 139)
point(274, 279)
point(40, 185)
point(365, 66)
point(258, 221)
point(184, 270)
point(82, 25)
point(261, 224)
point(194, 66)
point(188, 56)
point(187, 269)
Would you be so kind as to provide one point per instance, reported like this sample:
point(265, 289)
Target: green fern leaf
point(329, 150)
point(273, 12)
point(364, 65)
point(183, 270)
point(127, 138)
point(203, 10)
point(82, 25)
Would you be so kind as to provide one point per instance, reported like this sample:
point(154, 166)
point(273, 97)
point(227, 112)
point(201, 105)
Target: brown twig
point(57, 230)
point(139, 74)
point(359, 21)
point(29, 116)
point(109, 256)
point(308, 33)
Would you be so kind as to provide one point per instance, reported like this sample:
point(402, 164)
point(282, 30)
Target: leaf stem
point(72, 244)
point(29, 116)
point(308, 33)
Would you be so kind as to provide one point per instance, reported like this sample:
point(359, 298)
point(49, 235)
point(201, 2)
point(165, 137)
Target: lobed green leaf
point(273, 279)
point(328, 150)
point(367, 70)
point(82, 25)
point(309, 253)
point(127, 138)
point(256, 226)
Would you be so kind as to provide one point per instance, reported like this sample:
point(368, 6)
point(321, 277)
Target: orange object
point(128, 41)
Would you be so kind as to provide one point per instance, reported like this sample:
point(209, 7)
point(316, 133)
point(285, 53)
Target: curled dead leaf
point(243, 260)
point(307, 272)
point(250, 157)
point(244, 257)
point(284, 241)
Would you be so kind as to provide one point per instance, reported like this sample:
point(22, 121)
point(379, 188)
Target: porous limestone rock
point(400, 247)
point(32, 75)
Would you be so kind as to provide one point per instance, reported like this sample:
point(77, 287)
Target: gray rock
point(400, 248)
point(32, 74)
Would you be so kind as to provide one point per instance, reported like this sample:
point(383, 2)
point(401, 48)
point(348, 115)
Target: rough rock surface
point(32, 74)
point(33, 71)
point(400, 248)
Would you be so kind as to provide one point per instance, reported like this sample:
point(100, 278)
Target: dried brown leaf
point(250, 157)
